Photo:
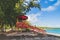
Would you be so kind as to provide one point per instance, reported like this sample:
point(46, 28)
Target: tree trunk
point(2, 27)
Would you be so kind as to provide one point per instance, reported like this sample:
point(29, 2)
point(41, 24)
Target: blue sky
point(48, 16)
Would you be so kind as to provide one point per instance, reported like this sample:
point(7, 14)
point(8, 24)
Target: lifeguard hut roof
point(22, 17)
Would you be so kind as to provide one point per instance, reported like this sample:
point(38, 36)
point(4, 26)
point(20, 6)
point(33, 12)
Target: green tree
point(10, 9)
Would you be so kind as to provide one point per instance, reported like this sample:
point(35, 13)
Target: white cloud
point(58, 3)
point(51, 8)
point(32, 18)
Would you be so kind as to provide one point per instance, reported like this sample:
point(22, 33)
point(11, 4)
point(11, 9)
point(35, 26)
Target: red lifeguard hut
point(25, 25)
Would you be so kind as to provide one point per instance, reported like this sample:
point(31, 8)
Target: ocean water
point(56, 31)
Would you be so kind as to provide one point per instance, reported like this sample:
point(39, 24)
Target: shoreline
point(53, 34)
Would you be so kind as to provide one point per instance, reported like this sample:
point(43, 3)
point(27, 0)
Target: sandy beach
point(27, 36)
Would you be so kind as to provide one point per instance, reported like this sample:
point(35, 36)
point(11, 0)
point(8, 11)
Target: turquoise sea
point(56, 31)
